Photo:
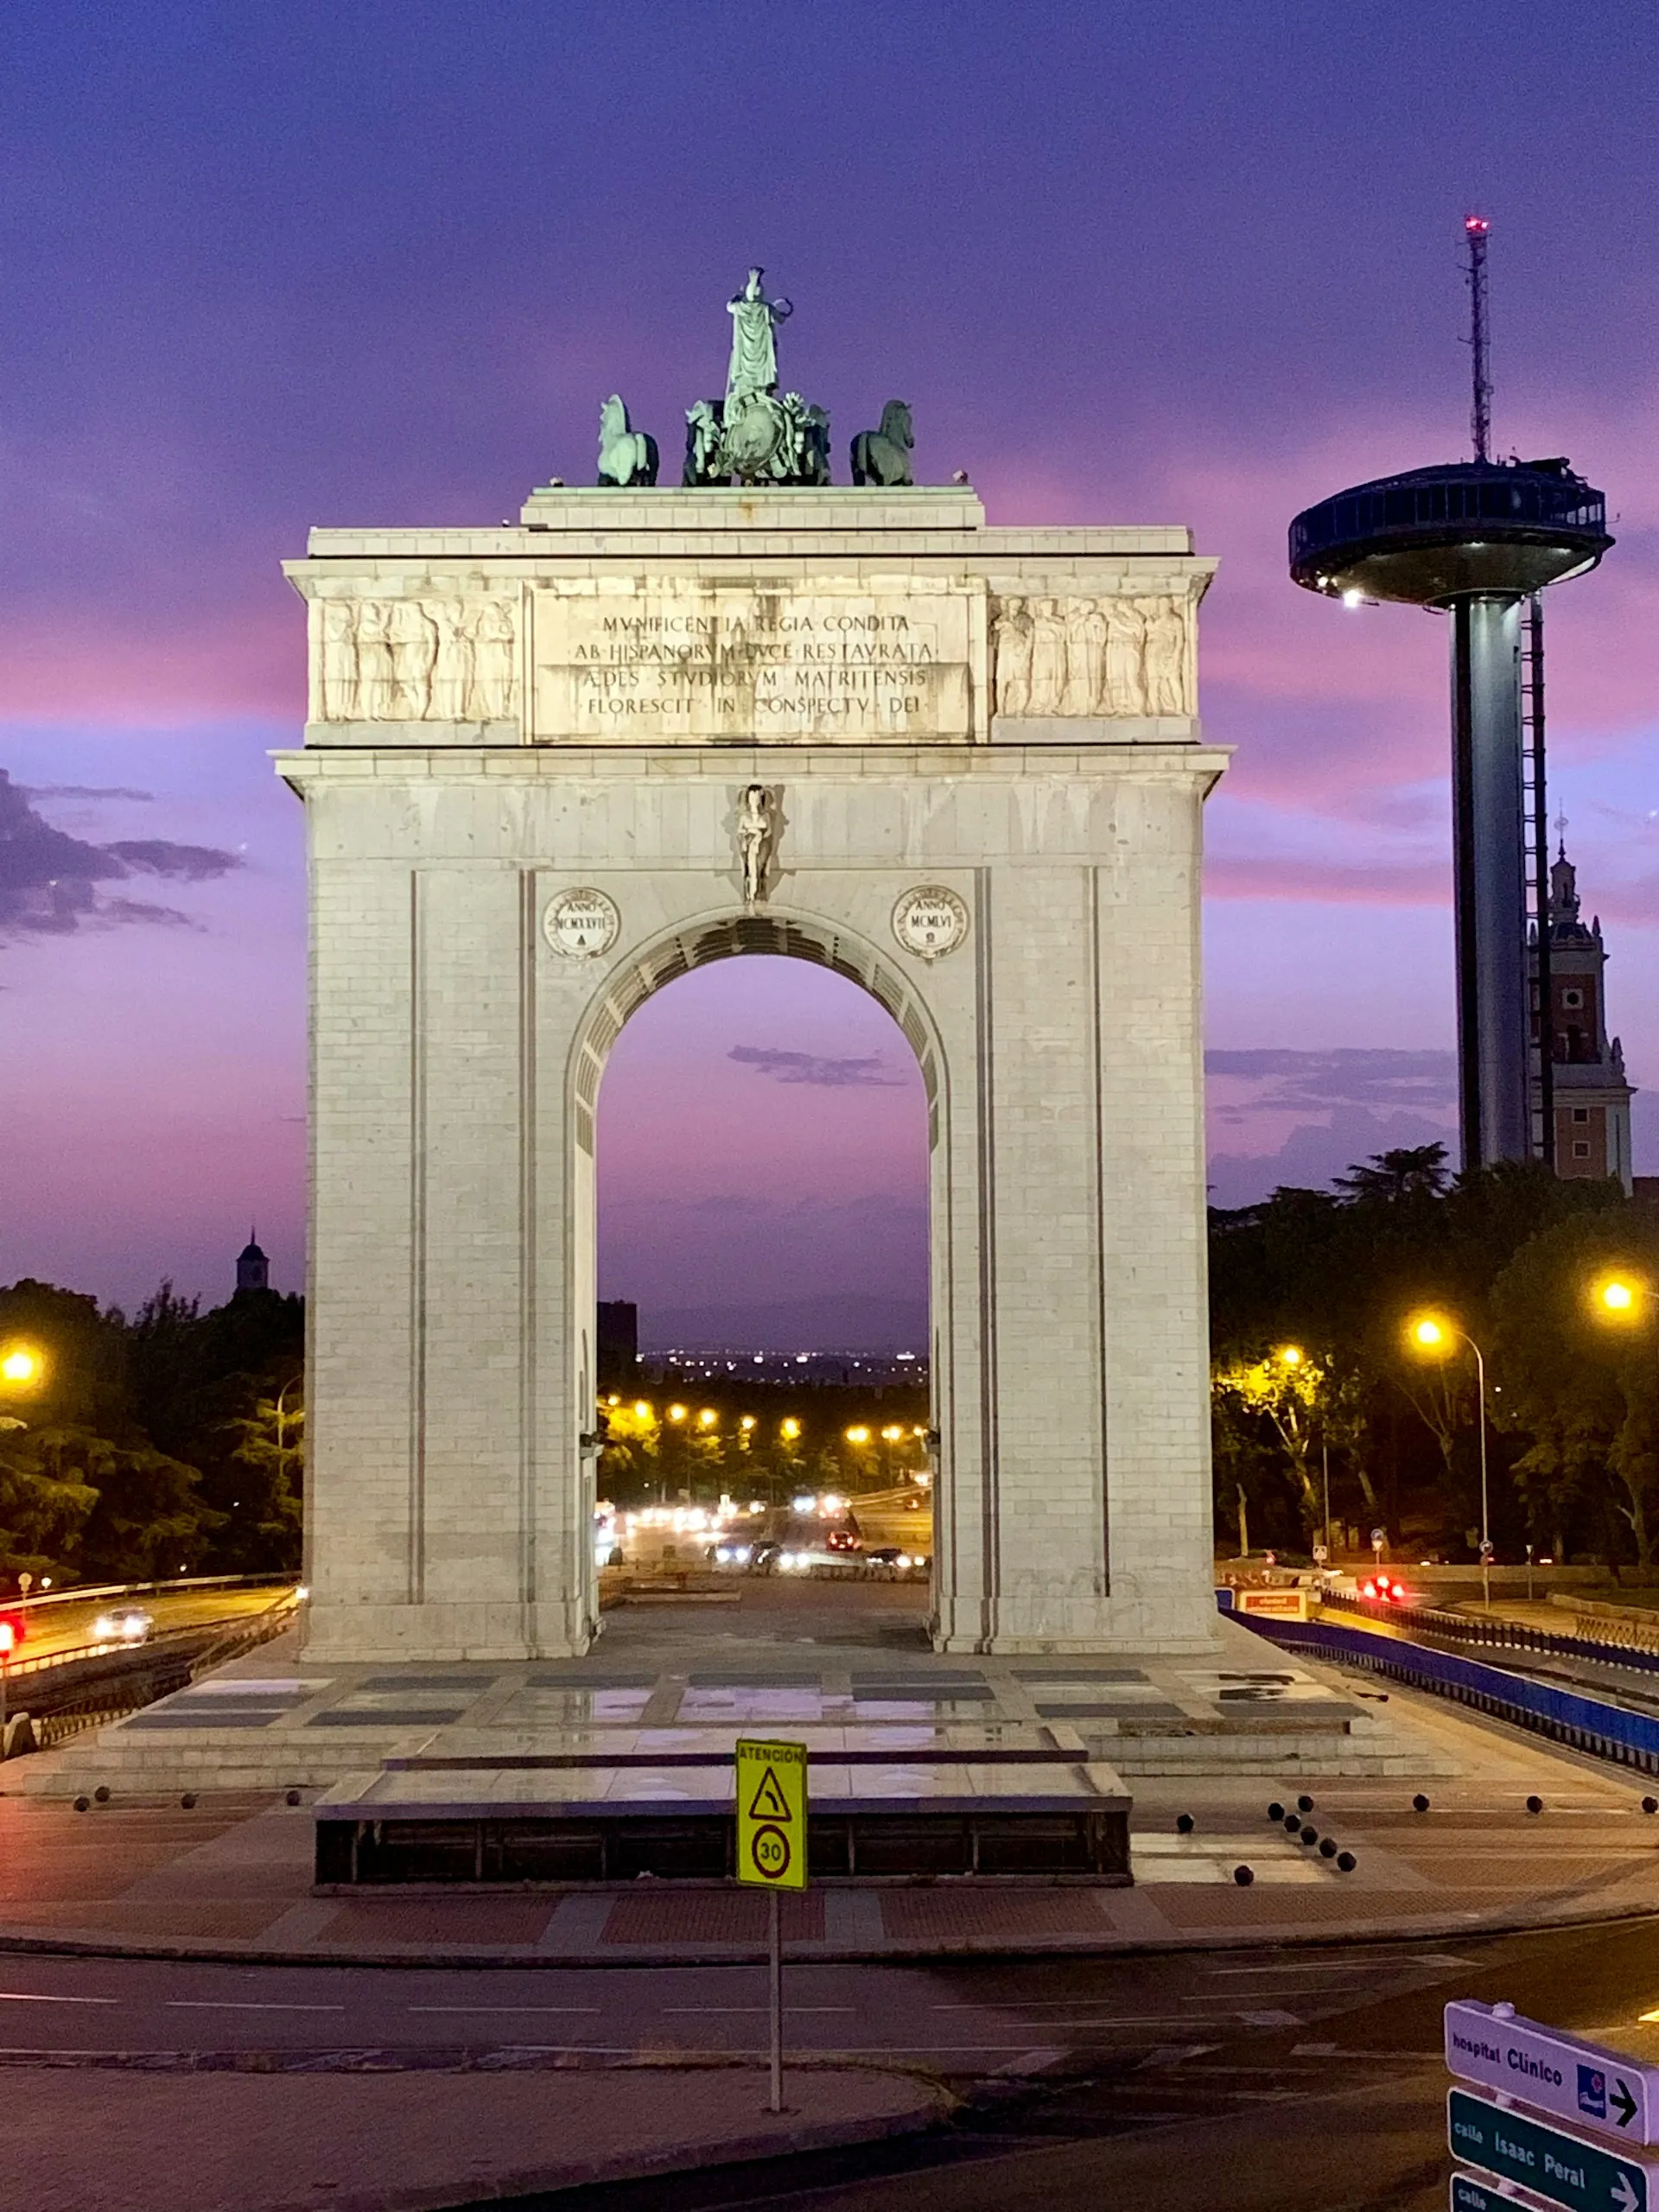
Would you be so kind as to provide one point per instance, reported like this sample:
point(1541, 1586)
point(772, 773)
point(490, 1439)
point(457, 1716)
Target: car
point(123, 1624)
point(887, 1563)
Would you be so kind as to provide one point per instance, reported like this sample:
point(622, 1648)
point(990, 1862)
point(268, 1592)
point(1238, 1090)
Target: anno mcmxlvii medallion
point(930, 921)
point(582, 925)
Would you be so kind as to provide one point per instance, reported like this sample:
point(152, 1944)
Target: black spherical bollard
point(1293, 1821)
point(188, 1800)
point(102, 1793)
point(1275, 1811)
point(1419, 1803)
point(1184, 1824)
point(1650, 1804)
point(1534, 1804)
point(1327, 1849)
point(1304, 1804)
point(83, 1804)
point(1244, 1876)
point(1346, 1861)
point(293, 1797)
point(1310, 1836)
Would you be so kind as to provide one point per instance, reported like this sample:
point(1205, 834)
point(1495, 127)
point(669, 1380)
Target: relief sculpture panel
point(443, 659)
point(1095, 657)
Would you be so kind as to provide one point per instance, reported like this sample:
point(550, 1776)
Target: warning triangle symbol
point(770, 1803)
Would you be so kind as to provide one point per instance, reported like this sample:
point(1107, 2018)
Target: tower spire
point(1475, 230)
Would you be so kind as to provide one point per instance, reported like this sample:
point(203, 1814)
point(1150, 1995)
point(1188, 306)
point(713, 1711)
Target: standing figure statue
point(754, 369)
point(1085, 658)
point(626, 455)
point(413, 637)
point(1165, 656)
point(754, 828)
point(494, 633)
point(1047, 656)
point(1012, 632)
point(337, 668)
point(1125, 682)
point(377, 672)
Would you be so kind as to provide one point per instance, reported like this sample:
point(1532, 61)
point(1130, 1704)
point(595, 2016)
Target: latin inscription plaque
point(691, 659)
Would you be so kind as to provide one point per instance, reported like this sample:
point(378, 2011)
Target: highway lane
point(67, 1626)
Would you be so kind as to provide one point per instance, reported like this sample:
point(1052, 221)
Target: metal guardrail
point(87, 1593)
point(103, 1684)
point(1583, 1723)
point(1632, 1644)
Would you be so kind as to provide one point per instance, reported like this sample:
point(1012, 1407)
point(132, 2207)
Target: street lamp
point(1430, 1337)
point(21, 1366)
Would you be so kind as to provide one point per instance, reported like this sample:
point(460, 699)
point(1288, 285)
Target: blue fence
point(1587, 1724)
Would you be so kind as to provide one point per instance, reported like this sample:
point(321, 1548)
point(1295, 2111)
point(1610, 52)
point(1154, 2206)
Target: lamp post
point(1430, 1335)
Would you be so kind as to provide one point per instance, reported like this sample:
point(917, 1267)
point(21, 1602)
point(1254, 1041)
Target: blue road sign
point(1564, 2167)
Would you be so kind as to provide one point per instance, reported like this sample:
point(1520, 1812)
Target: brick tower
point(1591, 1097)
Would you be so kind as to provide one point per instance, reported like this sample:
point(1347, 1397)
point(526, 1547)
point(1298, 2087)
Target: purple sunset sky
point(379, 264)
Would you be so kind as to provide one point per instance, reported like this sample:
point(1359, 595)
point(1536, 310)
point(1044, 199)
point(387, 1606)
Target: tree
point(1414, 1172)
point(269, 1509)
point(1282, 1389)
point(1585, 1395)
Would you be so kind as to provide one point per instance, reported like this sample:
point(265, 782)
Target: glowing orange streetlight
point(21, 1365)
point(1620, 1297)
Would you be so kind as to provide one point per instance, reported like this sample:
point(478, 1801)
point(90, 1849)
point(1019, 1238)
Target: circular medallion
point(582, 925)
point(930, 921)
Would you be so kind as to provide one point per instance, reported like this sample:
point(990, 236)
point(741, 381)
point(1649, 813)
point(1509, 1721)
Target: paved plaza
point(846, 1670)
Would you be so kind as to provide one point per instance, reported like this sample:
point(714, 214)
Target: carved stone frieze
point(1095, 657)
point(442, 658)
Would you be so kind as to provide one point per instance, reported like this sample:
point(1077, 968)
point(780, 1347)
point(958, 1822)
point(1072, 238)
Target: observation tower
point(1479, 540)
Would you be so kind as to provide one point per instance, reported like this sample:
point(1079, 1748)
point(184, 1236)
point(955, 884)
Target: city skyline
point(204, 356)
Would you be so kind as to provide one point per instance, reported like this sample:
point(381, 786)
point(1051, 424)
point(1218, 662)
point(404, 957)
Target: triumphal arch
point(550, 767)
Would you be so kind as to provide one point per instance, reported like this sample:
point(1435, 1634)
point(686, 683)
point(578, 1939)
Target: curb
point(23, 1942)
point(935, 2106)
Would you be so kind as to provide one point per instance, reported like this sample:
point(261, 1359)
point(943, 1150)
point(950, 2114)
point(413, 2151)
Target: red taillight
point(1369, 1590)
point(1399, 1596)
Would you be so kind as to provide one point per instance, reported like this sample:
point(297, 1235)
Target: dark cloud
point(1300, 1081)
point(51, 883)
point(808, 1067)
point(1315, 1154)
point(84, 791)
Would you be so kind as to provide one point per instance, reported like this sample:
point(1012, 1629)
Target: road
point(1307, 2079)
point(67, 1626)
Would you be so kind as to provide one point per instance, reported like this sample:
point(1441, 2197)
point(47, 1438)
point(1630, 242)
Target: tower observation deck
point(1476, 538)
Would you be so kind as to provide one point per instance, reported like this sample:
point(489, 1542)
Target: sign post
point(771, 1854)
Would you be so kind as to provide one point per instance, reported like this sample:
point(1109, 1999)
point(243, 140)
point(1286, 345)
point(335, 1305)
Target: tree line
point(166, 1442)
point(1315, 1374)
point(171, 1441)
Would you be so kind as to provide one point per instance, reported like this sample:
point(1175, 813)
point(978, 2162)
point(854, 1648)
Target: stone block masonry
point(503, 867)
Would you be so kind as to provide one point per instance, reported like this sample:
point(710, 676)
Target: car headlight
point(103, 1628)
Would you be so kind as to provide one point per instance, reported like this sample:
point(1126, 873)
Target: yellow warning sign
point(772, 1814)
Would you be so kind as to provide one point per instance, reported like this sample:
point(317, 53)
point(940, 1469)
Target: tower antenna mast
point(1476, 229)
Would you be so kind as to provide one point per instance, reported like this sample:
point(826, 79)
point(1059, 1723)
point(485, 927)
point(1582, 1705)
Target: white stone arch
point(779, 932)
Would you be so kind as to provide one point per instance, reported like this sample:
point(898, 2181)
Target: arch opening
point(758, 1150)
